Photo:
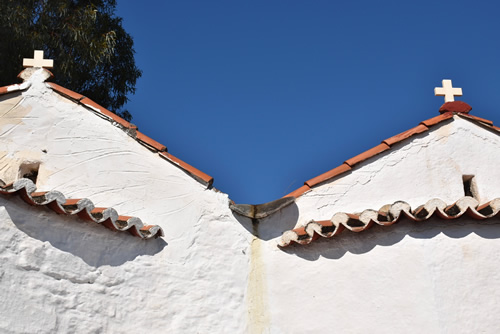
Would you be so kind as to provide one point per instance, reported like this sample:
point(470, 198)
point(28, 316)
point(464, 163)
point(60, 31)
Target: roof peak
point(455, 106)
point(36, 65)
point(448, 111)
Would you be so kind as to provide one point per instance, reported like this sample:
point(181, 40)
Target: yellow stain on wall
point(257, 290)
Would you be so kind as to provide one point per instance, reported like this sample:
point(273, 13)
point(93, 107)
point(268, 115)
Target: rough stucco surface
point(436, 277)
point(60, 274)
point(432, 277)
point(215, 272)
point(431, 165)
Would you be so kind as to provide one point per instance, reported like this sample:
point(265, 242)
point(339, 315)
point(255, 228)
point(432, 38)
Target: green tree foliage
point(92, 53)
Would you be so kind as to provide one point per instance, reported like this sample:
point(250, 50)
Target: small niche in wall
point(29, 170)
point(470, 188)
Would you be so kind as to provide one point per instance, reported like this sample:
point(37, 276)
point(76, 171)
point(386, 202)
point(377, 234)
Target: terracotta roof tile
point(296, 193)
point(367, 154)
point(66, 92)
point(83, 208)
point(4, 90)
point(438, 119)
point(89, 103)
point(328, 175)
point(407, 134)
point(14, 88)
point(475, 118)
point(301, 232)
point(455, 106)
point(388, 215)
point(202, 177)
point(142, 138)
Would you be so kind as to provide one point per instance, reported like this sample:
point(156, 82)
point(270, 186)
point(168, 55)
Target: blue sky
point(264, 95)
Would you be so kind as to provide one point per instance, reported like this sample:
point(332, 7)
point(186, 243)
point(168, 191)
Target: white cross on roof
point(447, 91)
point(38, 61)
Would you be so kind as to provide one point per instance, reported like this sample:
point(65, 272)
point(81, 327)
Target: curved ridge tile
point(83, 208)
point(388, 215)
point(46, 197)
point(20, 185)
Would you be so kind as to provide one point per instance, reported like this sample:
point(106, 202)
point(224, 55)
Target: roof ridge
point(83, 208)
point(385, 145)
point(133, 132)
point(388, 215)
point(14, 88)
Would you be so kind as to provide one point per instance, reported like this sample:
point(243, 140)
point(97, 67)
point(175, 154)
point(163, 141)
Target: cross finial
point(447, 91)
point(38, 61)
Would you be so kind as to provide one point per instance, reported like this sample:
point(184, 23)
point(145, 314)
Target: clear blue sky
point(264, 95)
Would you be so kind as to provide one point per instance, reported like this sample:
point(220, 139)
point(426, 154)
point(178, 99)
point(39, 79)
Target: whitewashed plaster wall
point(430, 165)
point(433, 277)
point(63, 275)
point(430, 277)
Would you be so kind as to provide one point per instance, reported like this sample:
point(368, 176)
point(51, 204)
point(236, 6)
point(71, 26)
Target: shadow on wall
point(363, 242)
point(94, 244)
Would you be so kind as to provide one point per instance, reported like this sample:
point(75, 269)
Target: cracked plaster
point(65, 275)
point(429, 166)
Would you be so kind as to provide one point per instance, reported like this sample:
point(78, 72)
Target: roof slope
point(128, 127)
point(447, 110)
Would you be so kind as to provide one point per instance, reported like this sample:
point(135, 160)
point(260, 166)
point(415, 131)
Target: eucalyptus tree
point(93, 54)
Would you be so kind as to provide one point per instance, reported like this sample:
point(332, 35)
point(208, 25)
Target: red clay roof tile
point(66, 92)
point(438, 119)
point(367, 154)
point(13, 88)
point(296, 193)
point(72, 201)
point(328, 175)
point(84, 208)
point(150, 142)
point(482, 120)
point(455, 106)
point(88, 102)
point(208, 180)
point(407, 134)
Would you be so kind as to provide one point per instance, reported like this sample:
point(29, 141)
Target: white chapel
point(103, 230)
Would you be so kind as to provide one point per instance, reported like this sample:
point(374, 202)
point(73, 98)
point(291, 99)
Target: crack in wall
point(386, 159)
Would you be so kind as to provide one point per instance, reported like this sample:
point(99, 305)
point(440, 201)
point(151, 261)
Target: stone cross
point(38, 61)
point(448, 91)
